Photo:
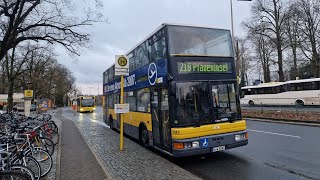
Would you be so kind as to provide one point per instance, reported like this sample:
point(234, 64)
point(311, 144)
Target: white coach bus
point(300, 92)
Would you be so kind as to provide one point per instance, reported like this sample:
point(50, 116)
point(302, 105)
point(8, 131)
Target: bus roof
point(270, 84)
point(161, 26)
point(274, 84)
point(303, 80)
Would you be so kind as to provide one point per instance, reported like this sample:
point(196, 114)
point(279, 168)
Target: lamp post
point(231, 16)
point(98, 90)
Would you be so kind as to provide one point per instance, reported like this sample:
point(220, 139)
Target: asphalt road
point(283, 108)
point(275, 151)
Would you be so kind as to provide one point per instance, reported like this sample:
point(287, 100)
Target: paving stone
point(135, 162)
point(77, 160)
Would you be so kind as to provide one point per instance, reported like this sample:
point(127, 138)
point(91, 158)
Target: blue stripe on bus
point(139, 78)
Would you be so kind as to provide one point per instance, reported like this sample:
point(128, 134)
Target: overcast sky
point(130, 21)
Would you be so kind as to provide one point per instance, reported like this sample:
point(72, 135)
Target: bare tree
point(13, 64)
point(309, 14)
point(242, 59)
point(271, 15)
point(293, 33)
point(43, 20)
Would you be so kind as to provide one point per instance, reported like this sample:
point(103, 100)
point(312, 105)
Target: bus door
point(160, 117)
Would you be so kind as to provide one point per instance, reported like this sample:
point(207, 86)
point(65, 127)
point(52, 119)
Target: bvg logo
point(122, 61)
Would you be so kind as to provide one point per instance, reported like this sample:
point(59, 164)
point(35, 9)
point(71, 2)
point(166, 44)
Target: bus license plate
point(219, 148)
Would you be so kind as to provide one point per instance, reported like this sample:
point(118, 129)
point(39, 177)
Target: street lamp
point(231, 15)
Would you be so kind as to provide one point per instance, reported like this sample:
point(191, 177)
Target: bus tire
point(251, 103)
point(143, 135)
point(299, 102)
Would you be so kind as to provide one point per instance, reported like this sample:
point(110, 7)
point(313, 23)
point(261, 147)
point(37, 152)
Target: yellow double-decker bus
point(181, 91)
point(84, 104)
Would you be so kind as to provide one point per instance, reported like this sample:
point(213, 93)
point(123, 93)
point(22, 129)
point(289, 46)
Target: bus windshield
point(196, 106)
point(87, 102)
point(199, 41)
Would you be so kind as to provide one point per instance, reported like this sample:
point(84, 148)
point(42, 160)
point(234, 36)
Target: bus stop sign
point(121, 66)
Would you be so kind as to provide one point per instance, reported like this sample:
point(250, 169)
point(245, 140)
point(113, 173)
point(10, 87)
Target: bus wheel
point(144, 138)
point(251, 103)
point(299, 103)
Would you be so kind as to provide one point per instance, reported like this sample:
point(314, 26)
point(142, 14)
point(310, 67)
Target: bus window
point(299, 86)
point(291, 87)
point(211, 42)
point(142, 55)
point(157, 46)
point(131, 100)
point(248, 92)
point(143, 97)
point(225, 104)
point(309, 86)
point(192, 105)
point(132, 63)
point(110, 101)
point(86, 102)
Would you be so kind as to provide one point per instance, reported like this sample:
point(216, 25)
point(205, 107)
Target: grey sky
point(131, 21)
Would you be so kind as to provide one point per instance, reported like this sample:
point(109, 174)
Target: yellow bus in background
point(84, 104)
point(182, 92)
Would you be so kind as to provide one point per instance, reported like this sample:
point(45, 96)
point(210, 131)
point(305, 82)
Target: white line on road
point(274, 133)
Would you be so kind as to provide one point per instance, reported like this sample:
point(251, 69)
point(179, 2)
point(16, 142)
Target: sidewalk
point(77, 160)
point(135, 162)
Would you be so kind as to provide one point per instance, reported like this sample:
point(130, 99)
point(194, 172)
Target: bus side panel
point(112, 113)
point(137, 117)
point(207, 130)
point(132, 122)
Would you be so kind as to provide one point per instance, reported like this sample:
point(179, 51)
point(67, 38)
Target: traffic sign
point(121, 108)
point(121, 66)
point(28, 94)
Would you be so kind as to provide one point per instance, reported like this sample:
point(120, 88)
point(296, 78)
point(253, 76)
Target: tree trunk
point(315, 61)
point(295, 66)
point(10, 96)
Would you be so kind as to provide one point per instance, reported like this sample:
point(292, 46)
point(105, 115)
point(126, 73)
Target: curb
point(282, 121)
point(58, 170)
point(105, 170)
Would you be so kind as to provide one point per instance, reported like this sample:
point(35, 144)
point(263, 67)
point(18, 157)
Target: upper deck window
point(200, 41)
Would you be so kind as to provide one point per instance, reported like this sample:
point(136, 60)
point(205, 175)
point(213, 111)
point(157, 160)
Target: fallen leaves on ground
point(283, 115)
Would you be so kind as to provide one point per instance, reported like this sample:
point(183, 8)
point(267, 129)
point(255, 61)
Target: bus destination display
point(204, 67)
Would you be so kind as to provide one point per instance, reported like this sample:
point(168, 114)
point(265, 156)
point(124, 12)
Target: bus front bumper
point(210, 144)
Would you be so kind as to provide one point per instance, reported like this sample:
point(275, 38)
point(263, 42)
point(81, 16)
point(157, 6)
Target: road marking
point(274, 133)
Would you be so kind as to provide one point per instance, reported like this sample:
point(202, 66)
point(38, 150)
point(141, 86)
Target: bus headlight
point(240, 137)
point(81, 109)
point(187, 145)
point(195, 144)
point(94, 108)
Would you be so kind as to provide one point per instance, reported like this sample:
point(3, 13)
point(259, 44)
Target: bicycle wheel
point(54, 136)
point(13, 175)
point(53, 125)
point(32, 164)
point(44, 159)
point(22, 169)
point(47, 144)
